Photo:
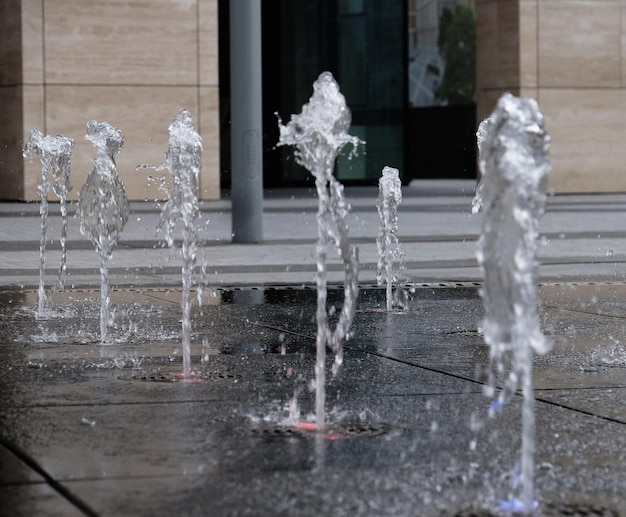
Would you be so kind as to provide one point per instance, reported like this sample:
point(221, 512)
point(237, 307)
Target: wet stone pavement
point(93, 429)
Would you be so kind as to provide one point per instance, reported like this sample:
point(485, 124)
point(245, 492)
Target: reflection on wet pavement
point(116, 430)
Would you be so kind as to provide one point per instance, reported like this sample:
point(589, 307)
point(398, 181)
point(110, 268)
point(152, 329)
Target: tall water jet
point(477, 202)
point(103, 206)
point(389, 250)
point(515, 164)
point(183, 159)
point(62, 188)
point(55, 155)
point(318, 134)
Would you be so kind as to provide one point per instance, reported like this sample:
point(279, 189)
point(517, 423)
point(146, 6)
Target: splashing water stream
point(55, 153)
point(183, 159)
point(318, 134)
point(62, 187)
point(389, 249)
point(515, 163)
point(103, 206)
point(477, 202)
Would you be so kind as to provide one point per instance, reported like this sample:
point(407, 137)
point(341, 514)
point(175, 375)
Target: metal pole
point(246, 119)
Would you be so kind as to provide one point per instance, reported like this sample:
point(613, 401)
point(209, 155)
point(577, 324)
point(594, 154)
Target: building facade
point(570, 55)
point(136, 64)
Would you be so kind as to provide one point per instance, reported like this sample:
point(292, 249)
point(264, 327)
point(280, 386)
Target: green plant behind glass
point(457, 44)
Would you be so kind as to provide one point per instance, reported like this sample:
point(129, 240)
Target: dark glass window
point(362, 42)
point(378, 51)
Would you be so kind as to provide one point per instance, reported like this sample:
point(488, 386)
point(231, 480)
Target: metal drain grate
point(307, 287)
point(578, 510)
point(221, 375)
point(474, 513)
point(548, 510)
point(333, 432)
point(362, 429)
point(176, 376)
point(151, 377)
point(277, 431)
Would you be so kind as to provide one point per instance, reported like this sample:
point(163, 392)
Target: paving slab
point(24, 500)
point(113, 429)
point(14, 471)
point(121, 433)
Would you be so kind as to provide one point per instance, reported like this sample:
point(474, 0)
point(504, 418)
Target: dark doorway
point(364, 43)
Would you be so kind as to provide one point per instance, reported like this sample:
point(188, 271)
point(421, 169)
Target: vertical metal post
point(247, 121)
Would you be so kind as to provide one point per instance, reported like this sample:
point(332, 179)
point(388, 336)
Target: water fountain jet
point(318, 134)
point(387, 243)
point(103, 207)
point(515, 164)
point(55, 154)
point(183, 159)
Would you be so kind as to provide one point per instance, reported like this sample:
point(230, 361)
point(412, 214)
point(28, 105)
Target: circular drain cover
point(221, 375)
point(151, 377)
point(578, 510)
point(176, 376)
point(550, 510)
point(361, 429)
point(277, 432)
point(333, 431)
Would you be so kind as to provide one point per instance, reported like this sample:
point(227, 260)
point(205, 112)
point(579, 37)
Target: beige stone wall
point(497, 52)
point(136, 63)
point(11, 95)
point(133, 63)
point(570, 55)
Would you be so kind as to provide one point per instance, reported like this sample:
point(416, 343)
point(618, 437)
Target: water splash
point(55, 154)
point(515, 165)
point(103, 206)
point(184, 160)
point(318, 134)
point(389, 250)
point(477, 202)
